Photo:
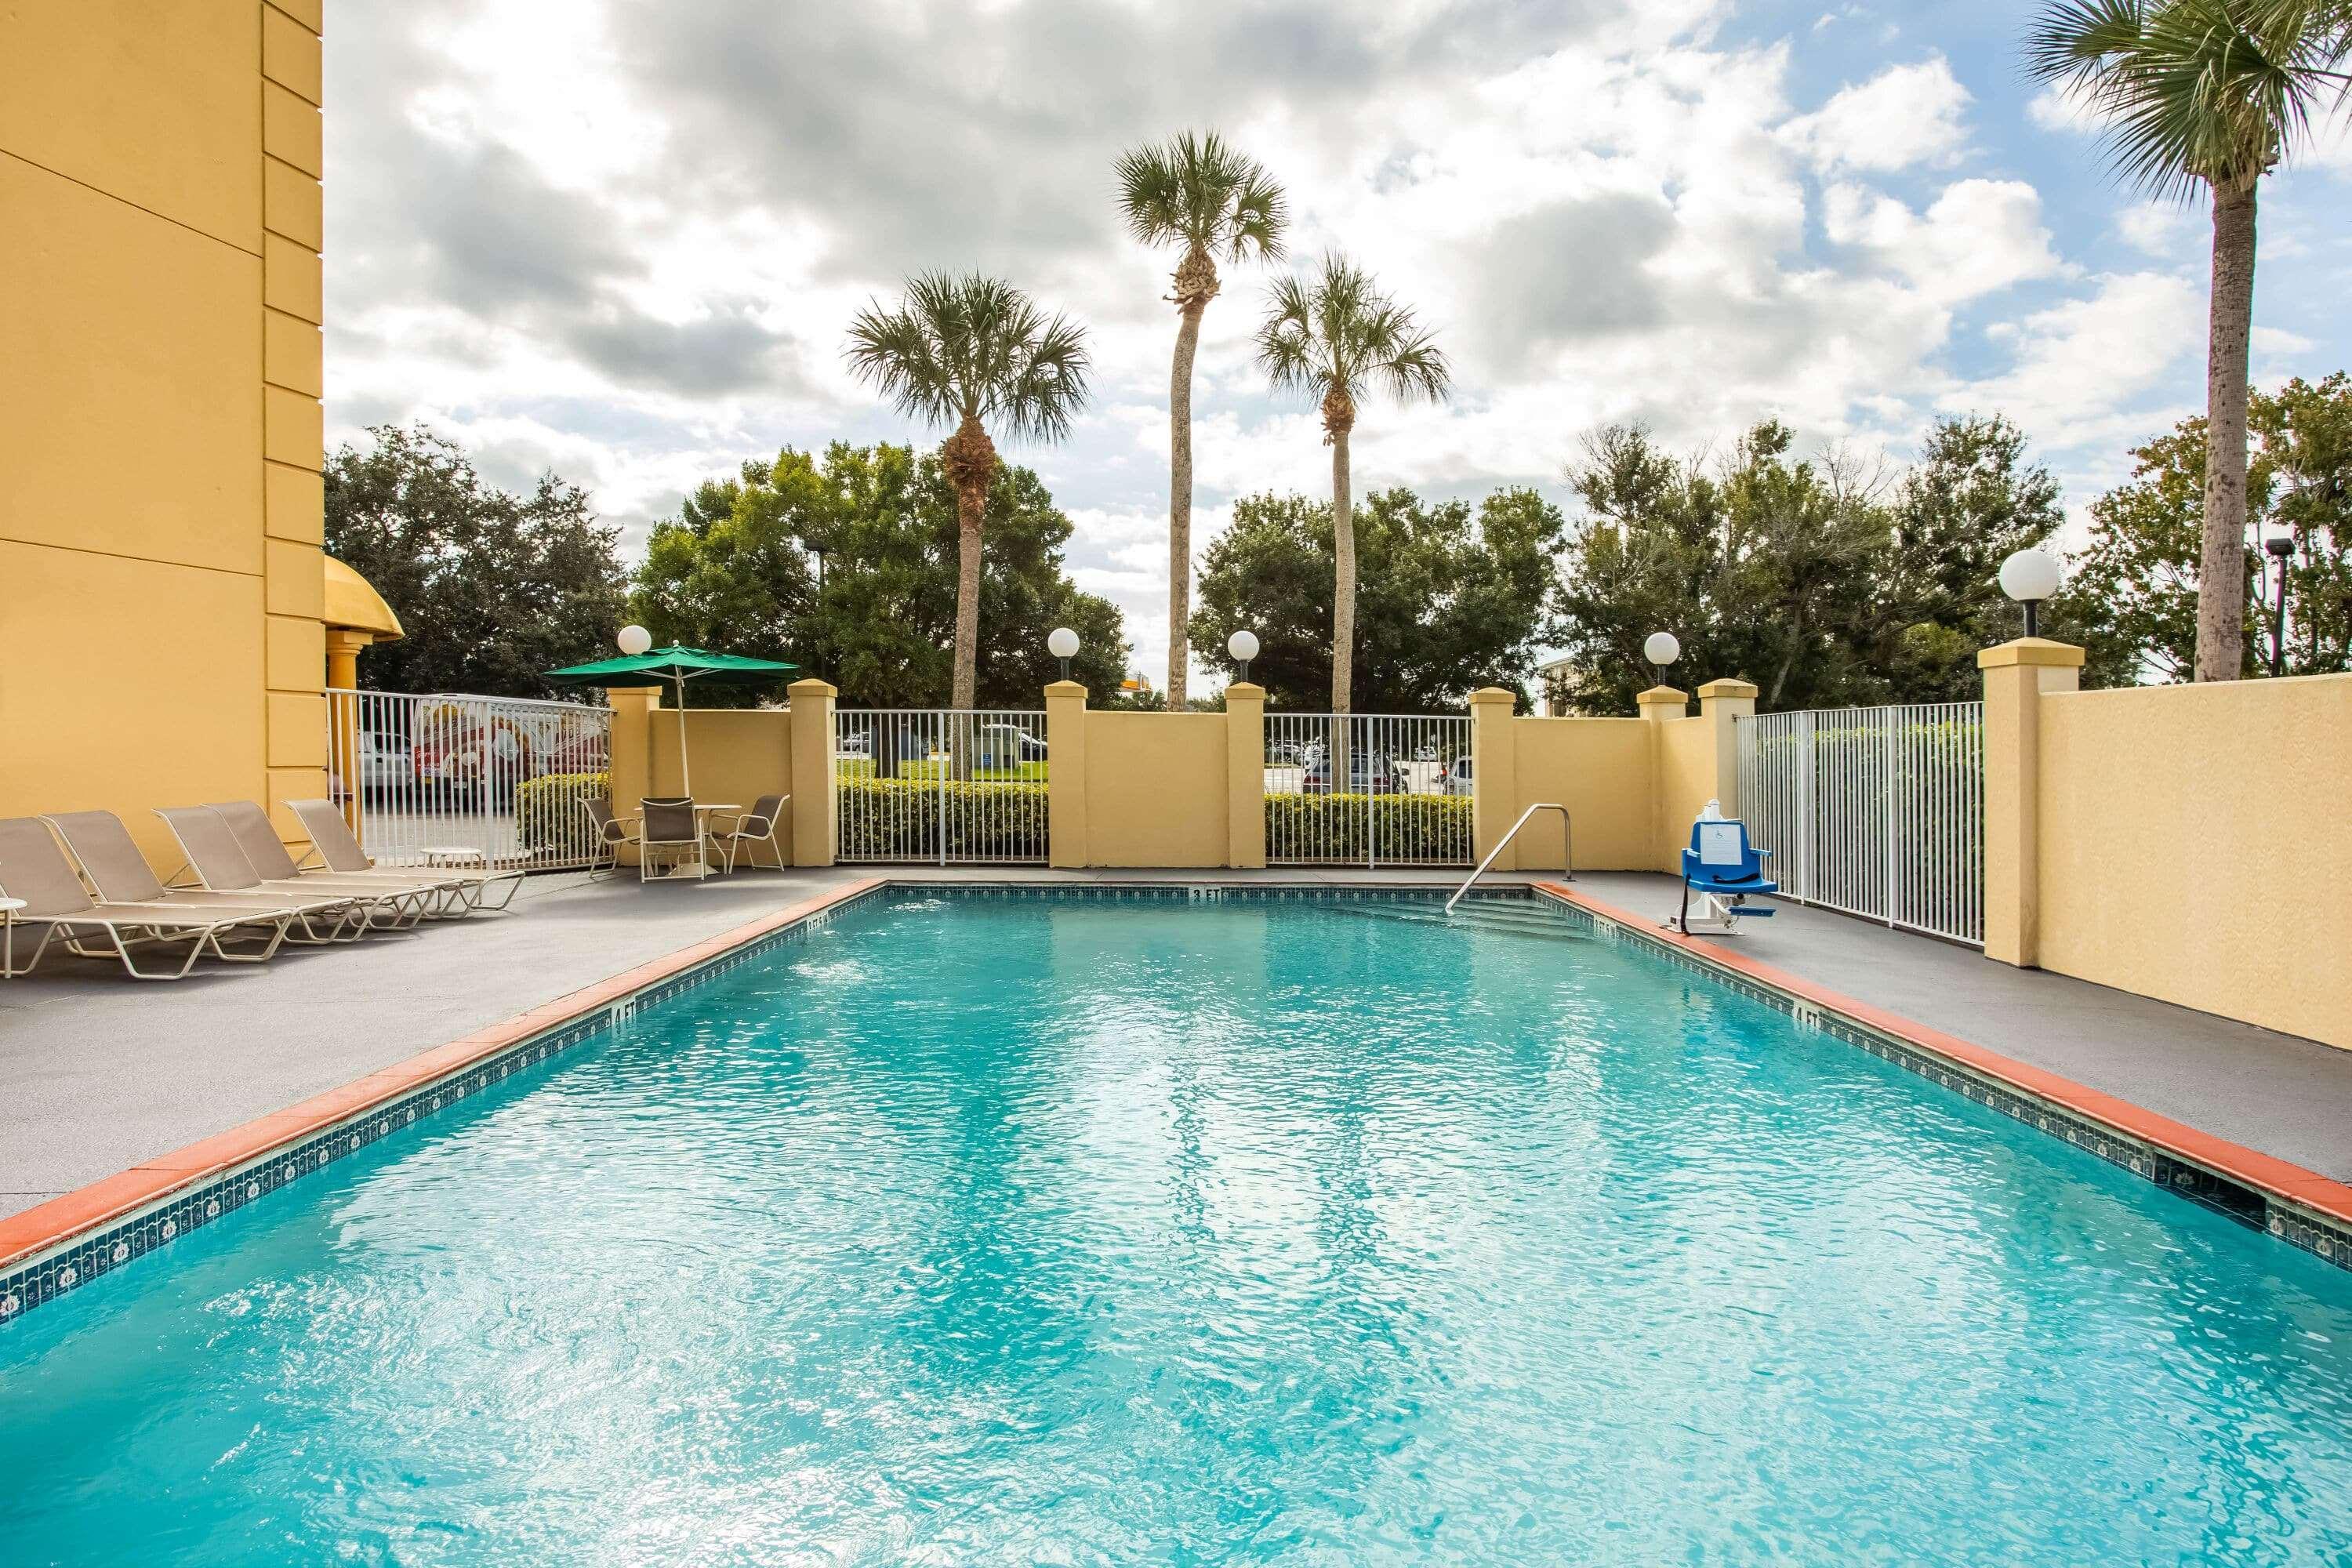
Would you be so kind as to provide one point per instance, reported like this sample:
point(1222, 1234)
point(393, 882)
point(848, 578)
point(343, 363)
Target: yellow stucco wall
point(2192, 841)
point(737, 755)
point(1603, 771)
point(1158, 789)
point(1686, 782)
point(159, 642)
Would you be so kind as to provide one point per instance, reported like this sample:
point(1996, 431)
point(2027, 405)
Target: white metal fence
point(1366, 789)
point(496, 778)
point(939, 785)
point(1872, 811)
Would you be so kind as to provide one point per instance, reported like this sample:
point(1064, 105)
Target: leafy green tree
point(1200, 193)
point(1453, 599)
point(1971, 500)
point(1336, 337)
point(491, 587)
point(734, 570)
point(967, 351)
point(2211, 94)
point(2133, 597)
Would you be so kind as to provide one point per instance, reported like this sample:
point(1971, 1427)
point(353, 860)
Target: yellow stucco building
point(163, 621)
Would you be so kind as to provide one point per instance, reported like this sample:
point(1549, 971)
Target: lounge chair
point(1725, 870)
point(752, 829)
point(218, 864)
point(670, 837)
point(32, 867)
point(610, 835)
point(119, 873)
point(402, 901)
point(332, 841)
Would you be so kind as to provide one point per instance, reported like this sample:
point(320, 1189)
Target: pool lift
point(1725, 870)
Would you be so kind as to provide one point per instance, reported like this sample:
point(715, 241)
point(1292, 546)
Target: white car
point(1457, 777)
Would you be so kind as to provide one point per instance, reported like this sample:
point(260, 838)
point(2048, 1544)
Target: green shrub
point(1348, 828)
point(548, 817)
point(900, 819)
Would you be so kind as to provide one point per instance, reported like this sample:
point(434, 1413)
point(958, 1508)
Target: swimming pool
point(1015, 1231)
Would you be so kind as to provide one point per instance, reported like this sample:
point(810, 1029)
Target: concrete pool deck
point(99, 1073)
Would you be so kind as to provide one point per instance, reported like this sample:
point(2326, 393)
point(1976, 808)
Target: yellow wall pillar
point(629, 766)
point(2016, 675)
point(1066, 773)
point(813, 804)
point(1723, 703)
point(1245, 776)
point(1659, 704)
point(1495, 801)
point(343, 675)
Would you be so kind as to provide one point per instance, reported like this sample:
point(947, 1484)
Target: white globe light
point(2030, 575)
point(1662, 649)
point(635, 640)
point(1242, 646)
point(1062, 643)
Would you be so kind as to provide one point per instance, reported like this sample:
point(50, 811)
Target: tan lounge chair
point(332, 841)
point(752, 829)
point(220, 867)
point(119, 873)
point(32, 867)
point(400, 902)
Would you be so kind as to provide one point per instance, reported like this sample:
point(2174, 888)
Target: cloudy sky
point(622, 239)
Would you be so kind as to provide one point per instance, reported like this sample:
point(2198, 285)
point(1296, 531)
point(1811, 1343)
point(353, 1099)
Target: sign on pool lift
point(1725, 870)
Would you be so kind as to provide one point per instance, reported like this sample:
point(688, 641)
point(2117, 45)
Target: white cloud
point(1979, 236)
point(1904, 116)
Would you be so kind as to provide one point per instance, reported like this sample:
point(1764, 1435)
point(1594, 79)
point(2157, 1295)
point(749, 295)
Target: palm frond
point(1339, 330)
point(1199, 190)
point(976, 347)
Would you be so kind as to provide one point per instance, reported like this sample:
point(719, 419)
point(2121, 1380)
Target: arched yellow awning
point(353, 604)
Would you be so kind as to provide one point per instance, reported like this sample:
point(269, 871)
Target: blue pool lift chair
point(1725, 870)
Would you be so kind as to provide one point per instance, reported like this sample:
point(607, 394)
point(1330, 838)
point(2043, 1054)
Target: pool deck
point(99, 1073)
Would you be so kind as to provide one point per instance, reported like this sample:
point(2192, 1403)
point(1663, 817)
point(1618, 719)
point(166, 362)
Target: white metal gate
point(500, 779)
point(939, 785)
point(1366, 789)
point(1872, 811)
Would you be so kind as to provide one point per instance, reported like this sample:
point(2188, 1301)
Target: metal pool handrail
point(1567, 832)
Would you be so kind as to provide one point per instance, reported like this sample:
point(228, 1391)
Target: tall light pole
point(820, 552)
point(2281, 549)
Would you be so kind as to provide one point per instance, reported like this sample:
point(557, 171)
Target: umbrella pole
point(684, 775)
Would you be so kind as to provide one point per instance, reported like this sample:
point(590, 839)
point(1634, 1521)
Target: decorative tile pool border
point(2256, 1190)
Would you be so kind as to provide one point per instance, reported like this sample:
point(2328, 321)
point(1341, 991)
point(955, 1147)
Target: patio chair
point(219, 866)
point(32, 867)
point(670, 836)
point(117, 872)
point(752, 829)
point(332, 841)
point(398, 902)
point(1725, 870)
point(608, 834)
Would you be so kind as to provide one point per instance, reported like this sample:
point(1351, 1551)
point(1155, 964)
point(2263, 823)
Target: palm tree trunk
point(1343, 595)
point(1180, 502)
point(970, 503)
point(2222, 574)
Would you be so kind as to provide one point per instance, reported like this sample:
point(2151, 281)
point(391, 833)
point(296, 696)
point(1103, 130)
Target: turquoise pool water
point(1022, 1233)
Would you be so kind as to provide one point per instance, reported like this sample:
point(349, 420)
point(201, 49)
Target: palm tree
point(1337, 337)
point(1199, 193)
point(966, 352)
point(2209, 93)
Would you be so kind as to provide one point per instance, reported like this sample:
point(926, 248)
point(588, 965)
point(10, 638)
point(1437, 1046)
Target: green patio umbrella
point(676, 666)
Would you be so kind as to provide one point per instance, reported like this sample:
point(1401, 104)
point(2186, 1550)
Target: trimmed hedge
point(1425, 827)
point(900, 818)
point(548, 817)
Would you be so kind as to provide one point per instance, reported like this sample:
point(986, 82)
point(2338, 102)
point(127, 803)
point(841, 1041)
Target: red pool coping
point(2266, 1173)
point(46, 1226)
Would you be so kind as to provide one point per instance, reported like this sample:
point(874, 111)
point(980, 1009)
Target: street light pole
point(2281, 547)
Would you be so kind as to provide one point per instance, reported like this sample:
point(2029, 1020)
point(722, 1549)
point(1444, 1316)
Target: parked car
point(459, 757)
point(1457, 777)
point(1008, 747)
point(1369, 773)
